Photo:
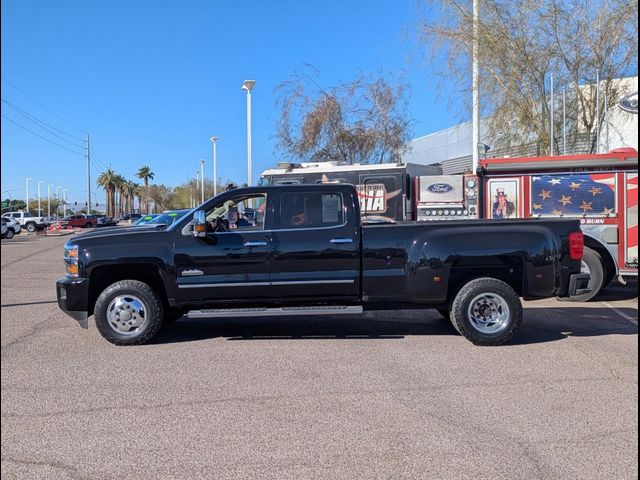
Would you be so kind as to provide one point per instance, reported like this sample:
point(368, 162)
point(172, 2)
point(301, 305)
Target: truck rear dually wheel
point(128, 312)
point(31, 227)
point(486, 311)
point(593, 265)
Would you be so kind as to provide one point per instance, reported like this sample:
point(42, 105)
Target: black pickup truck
point(303, 250)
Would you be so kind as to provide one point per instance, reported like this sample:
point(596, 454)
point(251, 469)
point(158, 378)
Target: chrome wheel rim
point(584, 267)
point(489, 313)
point(126, 314)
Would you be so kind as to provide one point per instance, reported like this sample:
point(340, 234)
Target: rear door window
point(311, 210)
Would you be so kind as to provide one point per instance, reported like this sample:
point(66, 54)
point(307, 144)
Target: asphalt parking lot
point(397, 394)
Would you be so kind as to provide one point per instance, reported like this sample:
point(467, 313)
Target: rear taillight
point(576, 245)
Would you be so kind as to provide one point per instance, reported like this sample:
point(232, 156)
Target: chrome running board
point(275, 312)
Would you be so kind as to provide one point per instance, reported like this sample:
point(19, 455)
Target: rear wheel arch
point(608, 262)
point(506, 268)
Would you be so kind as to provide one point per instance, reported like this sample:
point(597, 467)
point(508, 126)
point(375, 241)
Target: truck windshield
point(168, 218)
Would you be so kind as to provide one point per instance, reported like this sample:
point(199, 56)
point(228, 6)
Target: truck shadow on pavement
point(540, 325)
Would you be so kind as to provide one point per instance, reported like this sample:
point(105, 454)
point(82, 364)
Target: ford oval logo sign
point(439, 188)
point(630, 103)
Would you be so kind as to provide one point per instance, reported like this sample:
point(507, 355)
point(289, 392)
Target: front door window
point(239, 214)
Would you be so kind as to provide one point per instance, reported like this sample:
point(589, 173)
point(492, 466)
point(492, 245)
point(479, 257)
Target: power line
point(38, 135)
point(97, 158)
point(42, 106)
point(42, 124)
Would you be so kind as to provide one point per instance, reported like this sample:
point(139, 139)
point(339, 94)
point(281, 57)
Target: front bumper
point(73, 295)
point(578, 284)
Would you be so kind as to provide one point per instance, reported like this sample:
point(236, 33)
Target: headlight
point(71, 260)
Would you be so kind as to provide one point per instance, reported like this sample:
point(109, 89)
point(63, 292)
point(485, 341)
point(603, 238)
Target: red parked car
point(83, 221)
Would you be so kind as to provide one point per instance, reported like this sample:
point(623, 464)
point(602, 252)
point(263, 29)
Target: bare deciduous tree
point(520, 45)
point(364, 121)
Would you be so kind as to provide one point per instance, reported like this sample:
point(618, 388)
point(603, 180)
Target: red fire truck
point(599, 189)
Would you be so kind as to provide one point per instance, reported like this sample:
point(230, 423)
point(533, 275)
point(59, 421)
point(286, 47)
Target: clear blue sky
point(152, 81)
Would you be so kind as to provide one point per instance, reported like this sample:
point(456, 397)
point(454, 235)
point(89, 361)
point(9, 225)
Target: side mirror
point(199, 224)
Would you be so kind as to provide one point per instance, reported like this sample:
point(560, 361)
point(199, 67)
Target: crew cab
point(303, 250)
point(27, 220)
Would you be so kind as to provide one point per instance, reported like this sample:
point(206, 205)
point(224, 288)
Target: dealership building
point(452, 148)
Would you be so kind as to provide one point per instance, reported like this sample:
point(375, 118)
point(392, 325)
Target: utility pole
point(476, 89)
point(88, 176)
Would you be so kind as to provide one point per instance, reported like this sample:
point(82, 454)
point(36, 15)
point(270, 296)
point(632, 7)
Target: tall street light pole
point(202, 181)
point(215, 165)
point(49, 199)
point(197, 186)
point(39, 209)
point(58, 197)
point(247, 86)
point(551, 115)
point(26, 193)
point(475, 88)
point(64, 201)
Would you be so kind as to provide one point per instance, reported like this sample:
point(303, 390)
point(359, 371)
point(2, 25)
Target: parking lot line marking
point(622, 314)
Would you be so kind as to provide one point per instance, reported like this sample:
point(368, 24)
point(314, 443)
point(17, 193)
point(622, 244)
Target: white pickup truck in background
point(28, 221)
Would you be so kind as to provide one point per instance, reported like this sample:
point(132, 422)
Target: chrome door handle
point(255, 244)
point(341, 240)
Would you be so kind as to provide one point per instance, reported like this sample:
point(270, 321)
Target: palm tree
point(119, 182)
point(137, 191)
point(129, 193)
point(107, 180)
point(145, 173)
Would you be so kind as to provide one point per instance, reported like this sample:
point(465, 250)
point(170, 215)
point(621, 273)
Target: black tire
point(594, 262)
point(153, 312)
point(31, 227)
point(9, 234)
point(609, 275)
point(87, 225)
point(488, 290)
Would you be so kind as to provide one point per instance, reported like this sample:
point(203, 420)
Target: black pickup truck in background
point(303, 250)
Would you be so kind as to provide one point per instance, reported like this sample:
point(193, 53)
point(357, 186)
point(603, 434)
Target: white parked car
point(10, 227)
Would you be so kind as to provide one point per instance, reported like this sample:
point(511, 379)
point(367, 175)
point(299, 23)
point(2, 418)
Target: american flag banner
point(632, 220)
point(580, 194)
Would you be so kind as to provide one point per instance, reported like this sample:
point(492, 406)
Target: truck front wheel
point(128, 312)
point(486, 311)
